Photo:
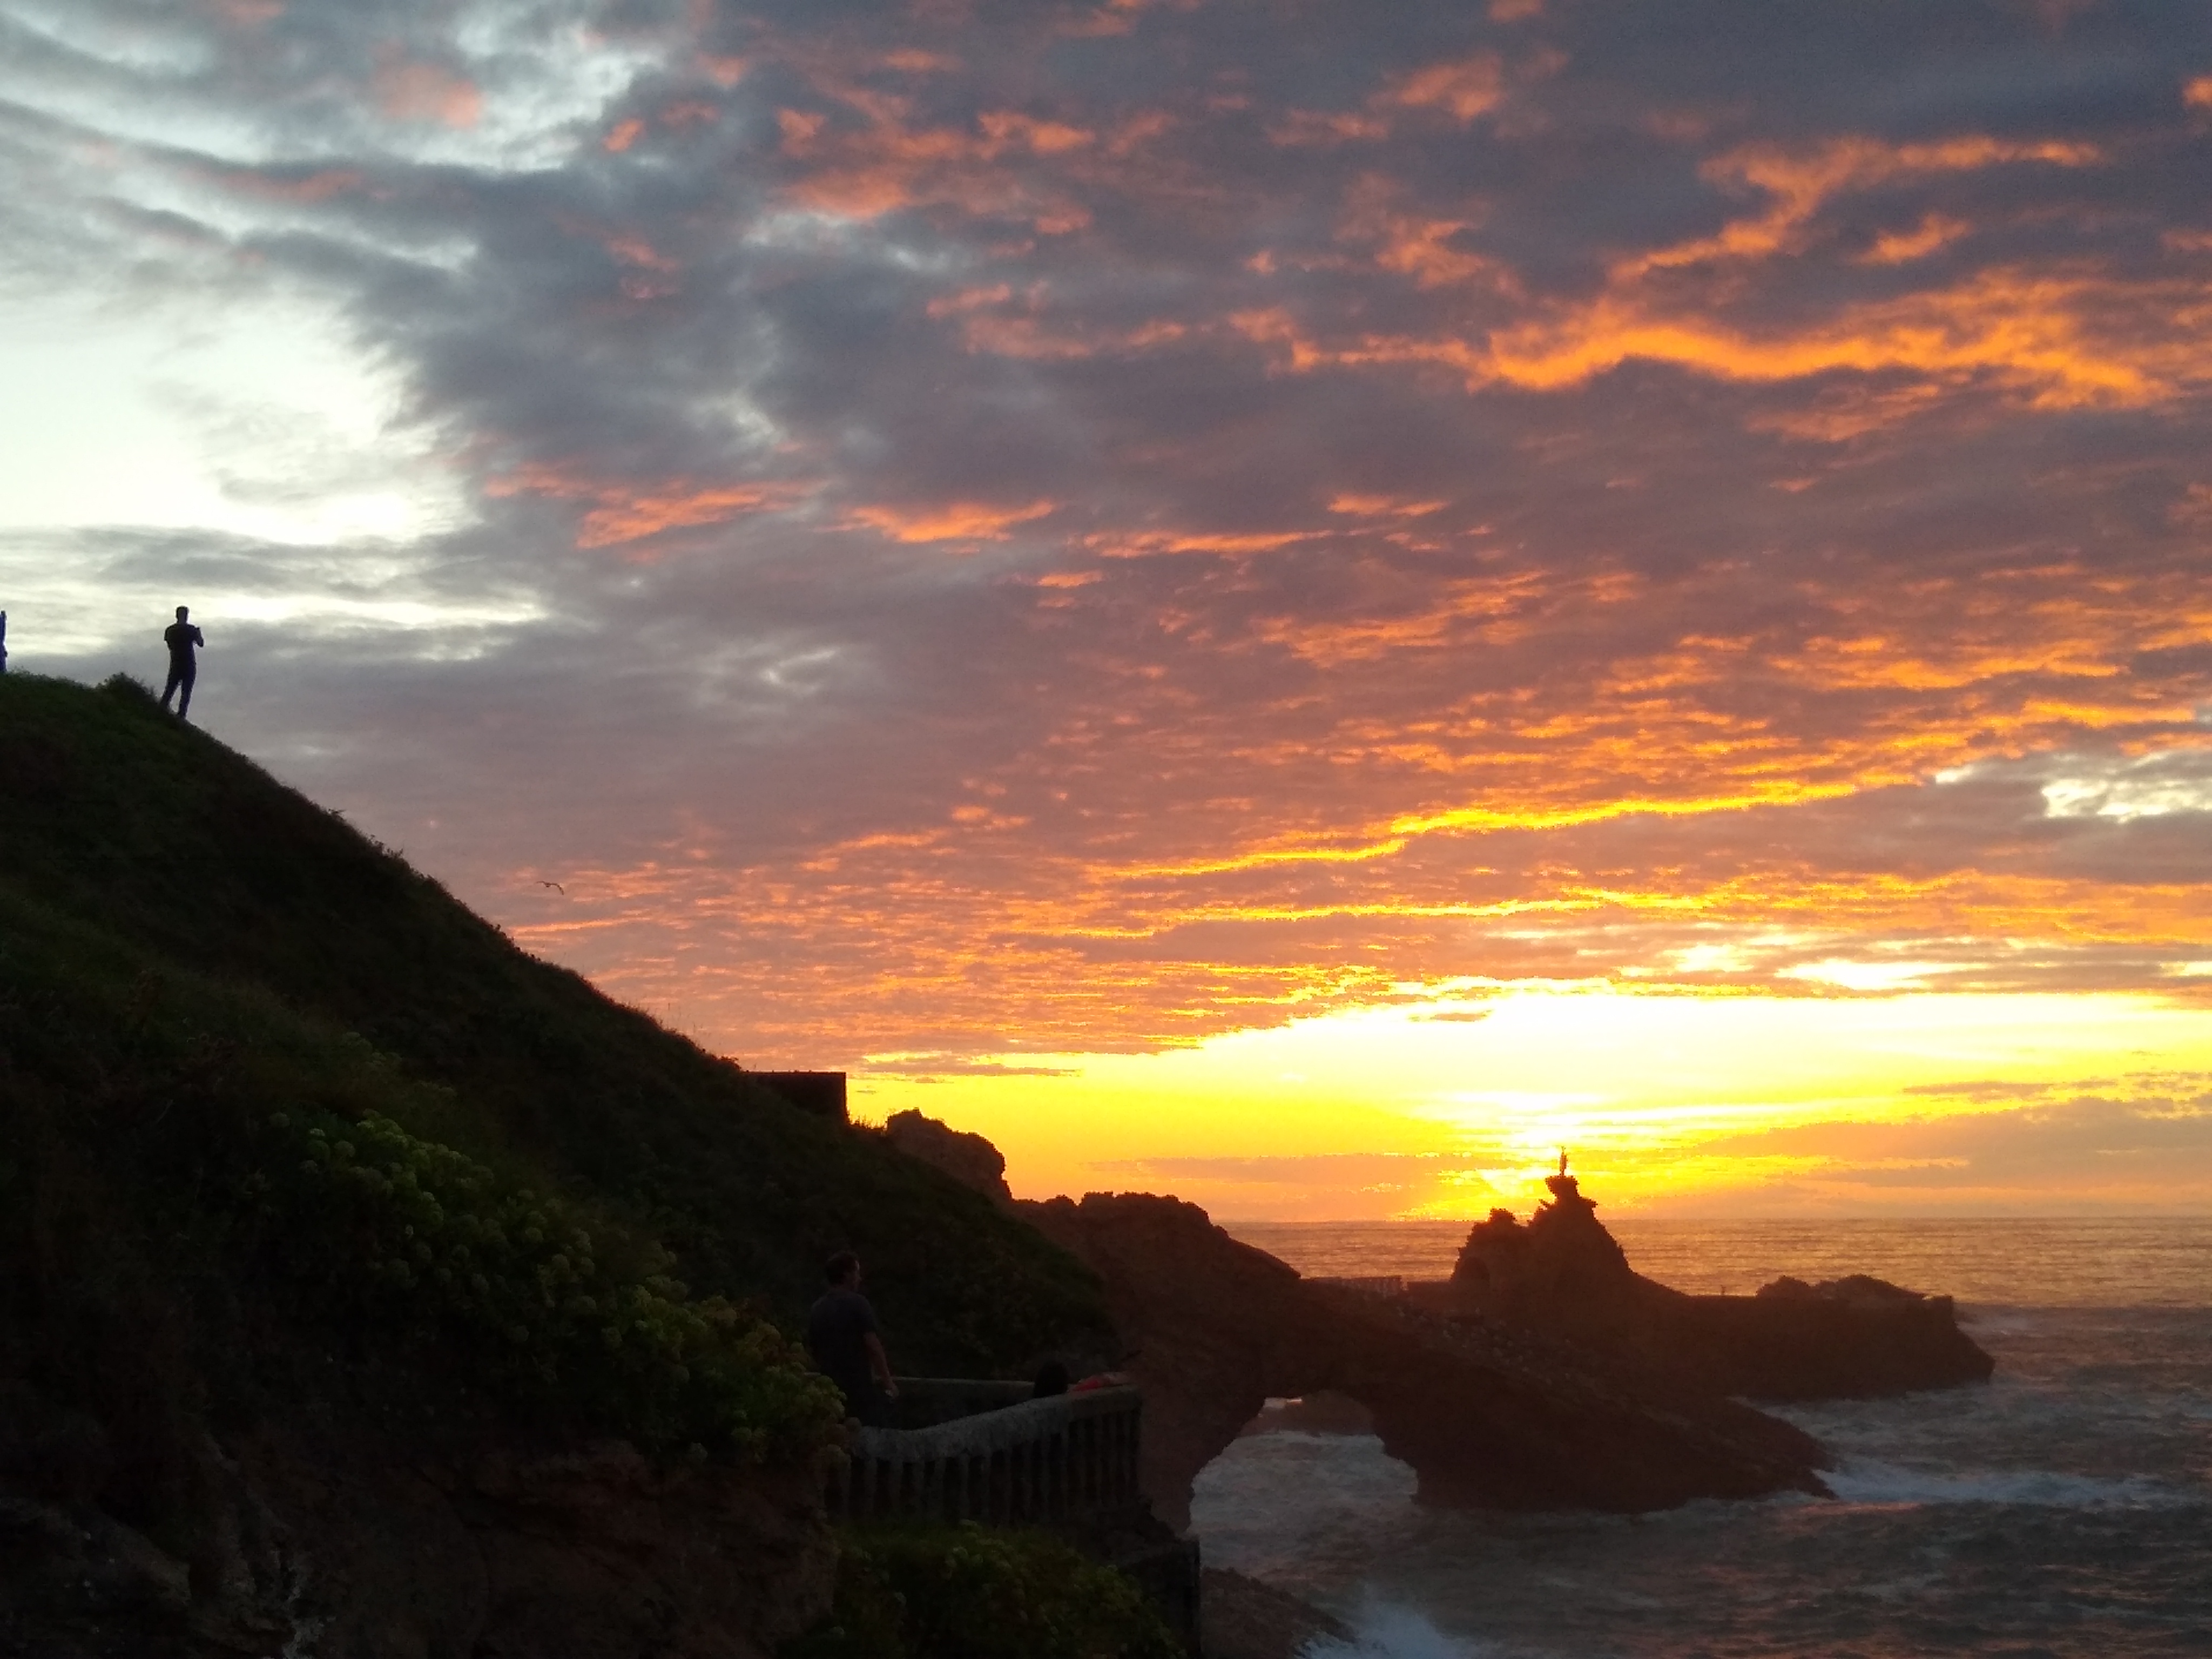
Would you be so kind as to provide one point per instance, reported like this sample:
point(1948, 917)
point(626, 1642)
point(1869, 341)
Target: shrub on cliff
point(366, 1223)
point(975, 1592)
point(200, 1150)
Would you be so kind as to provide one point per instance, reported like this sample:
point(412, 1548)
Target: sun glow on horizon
point(1913, 1104)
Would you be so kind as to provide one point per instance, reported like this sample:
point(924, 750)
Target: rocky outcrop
point(1564, 1275)
point(301, 1540)
point(1245, 1618)
point(1855, 1338)
point(1485, 1413)
point(969, 1160)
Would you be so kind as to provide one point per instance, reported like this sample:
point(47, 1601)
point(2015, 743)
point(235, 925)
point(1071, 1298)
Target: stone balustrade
point(995, 1455)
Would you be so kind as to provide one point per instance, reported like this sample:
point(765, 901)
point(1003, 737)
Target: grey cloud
point(738, 694)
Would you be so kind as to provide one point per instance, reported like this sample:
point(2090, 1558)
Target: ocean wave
point(1386, 1630)
point(1873, 1483)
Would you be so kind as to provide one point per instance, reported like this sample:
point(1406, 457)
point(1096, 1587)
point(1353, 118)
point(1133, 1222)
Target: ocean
point(2065, 1508)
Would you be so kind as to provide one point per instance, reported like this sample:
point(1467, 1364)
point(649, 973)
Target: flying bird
point(556, 886)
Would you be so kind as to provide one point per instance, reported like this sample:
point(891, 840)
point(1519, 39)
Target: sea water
point(2064, 1508)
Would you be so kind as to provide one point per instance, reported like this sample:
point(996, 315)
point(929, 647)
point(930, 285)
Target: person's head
point(182, 612)
point(1051, 1379)
point(842, 1269)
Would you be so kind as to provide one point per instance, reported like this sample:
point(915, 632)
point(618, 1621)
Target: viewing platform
point(992, 1452)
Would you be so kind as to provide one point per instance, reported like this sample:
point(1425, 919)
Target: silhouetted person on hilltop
point(3, 641)
point(182, 639)
point(848, 1343)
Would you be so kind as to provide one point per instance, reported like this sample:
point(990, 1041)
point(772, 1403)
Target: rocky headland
point(1562, 1275)
point(1546, 1373)
point(1486, 1413)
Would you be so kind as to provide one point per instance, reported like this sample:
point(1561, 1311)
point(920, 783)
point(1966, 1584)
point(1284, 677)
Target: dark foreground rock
point(1246, 1619)
point(1485, 1413)
point(299, 1539)
point(1563, 1274)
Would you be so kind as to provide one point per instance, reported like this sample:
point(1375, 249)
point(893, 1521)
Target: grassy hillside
point(251, 1061)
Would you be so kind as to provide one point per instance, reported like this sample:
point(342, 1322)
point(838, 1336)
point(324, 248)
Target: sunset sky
point(1294, 603)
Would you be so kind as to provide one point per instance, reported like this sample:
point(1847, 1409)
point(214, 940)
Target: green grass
point(976, 1592)
point(253, 1067)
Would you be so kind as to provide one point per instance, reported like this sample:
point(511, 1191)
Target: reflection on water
point(2068, 1263)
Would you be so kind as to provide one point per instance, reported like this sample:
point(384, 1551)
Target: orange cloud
point(647, 513)
point(1490, 611)
point(913, 61)
point(1137, 544)
point(623, 514)
point(970, 298)
point(1371, 507)
point(1463, 90)
point(1901, 247)
point(994, 320)
point(625, 134)
point(1798, 183)
point(1875, 661)
point(2064, 340)
point(888, 166)
point(2067, 340)
point(410, 91)
point(636, 250)
point(2197, 95)
point(949, 521)
point(1413, 244)
point(1004, 130)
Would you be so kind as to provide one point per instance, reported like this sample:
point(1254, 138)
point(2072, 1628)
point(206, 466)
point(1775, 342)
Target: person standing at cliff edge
point(182, 639)
point(848, 1343)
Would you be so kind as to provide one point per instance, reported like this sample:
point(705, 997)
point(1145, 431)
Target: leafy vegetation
point(975, 1592)
point(406, 1234)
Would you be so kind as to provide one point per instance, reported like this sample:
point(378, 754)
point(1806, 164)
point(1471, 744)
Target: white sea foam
point(1384, 1629)
point(1870, 1482)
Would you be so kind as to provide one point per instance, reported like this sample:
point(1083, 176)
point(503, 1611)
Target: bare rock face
point(1484, 1412)
point(1854, 1338)
point(969, 1160)
point(346, 1545)
point(1245, 1618)
point(1563, 1258)
point(1564, 1275)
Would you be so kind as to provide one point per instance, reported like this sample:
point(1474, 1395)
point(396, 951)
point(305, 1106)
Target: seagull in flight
point(556, 886)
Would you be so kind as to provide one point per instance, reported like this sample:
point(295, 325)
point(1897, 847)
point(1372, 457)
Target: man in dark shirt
point(847, 1343)
point(180, 636)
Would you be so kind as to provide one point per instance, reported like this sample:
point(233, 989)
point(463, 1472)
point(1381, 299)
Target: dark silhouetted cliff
point(359, 1270)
